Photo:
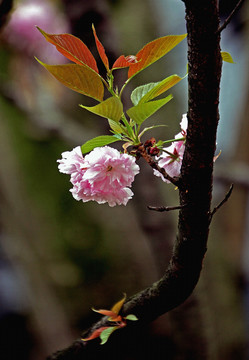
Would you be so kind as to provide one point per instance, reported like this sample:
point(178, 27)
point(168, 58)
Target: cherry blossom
point(20, 32)
point(104, 175)
point(171, 156)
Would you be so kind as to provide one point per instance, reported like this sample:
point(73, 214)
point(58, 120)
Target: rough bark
point(195, 187)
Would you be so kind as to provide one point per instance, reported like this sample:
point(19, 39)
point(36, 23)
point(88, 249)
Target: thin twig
point(166, 208)
point(228, 19)
point(141, 151)
point(216, 208)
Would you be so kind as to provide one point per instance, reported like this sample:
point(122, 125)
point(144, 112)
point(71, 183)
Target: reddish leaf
point(117, 318)
point(79, 78)
point(124, 61)
point(101, 50)
point(153, 51)
point(106, 312)
point(72, 48)
point(96, 333)
point(111, 314)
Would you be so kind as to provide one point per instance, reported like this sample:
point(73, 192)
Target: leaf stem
point(129, 130)
point(123, 87)
point(173, 140)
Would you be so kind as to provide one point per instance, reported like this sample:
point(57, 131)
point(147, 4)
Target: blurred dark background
point(60, 257)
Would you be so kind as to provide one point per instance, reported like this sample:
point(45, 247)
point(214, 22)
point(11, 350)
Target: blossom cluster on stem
point(104, 175)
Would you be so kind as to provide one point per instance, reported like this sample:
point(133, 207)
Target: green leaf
point(153, 51)
point(104, 336)
point(115, 126)
point(161, 87)
point(131, 317)
point(98, 141)
point(111, 108)
point(226, 56)
point(138, 93)
point(79, 78)
point(141, 112)
point(148, 92)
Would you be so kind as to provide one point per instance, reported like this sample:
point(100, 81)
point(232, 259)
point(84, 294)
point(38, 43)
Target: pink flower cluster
point(171, 156)
point(21, 34)
point(104, 175)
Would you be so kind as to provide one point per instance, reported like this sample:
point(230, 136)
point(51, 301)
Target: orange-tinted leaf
point(96, 333)
point(153, 51)
point(72, 48)
point(106, 312)
point(112, 316)
point(79, 78)
point(124, 61)
point(117, 307)
point(116, 318)
point(101, 49)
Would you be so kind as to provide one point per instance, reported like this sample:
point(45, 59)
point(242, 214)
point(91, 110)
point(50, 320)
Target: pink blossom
point(171, 156)
point(104, 175)
point(184, 125)
point(71, 162)
point(21, 34)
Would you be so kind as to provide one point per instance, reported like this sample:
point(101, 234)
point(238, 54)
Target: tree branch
point(229, 18)
point(216, 208)
point(195, 189)
point(141, 151)
point(165, 208)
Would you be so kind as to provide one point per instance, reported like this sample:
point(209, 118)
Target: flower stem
point(148, 158)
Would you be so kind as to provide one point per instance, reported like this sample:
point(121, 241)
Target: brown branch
point(216, 208)
point(229, 18)
point(141, 151)
point(165, 208)
point(195, 189)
